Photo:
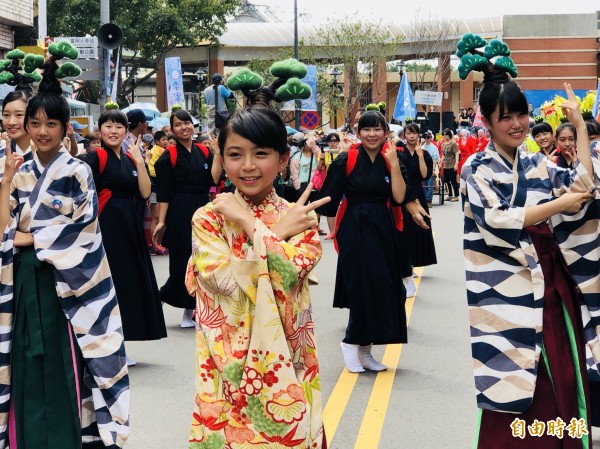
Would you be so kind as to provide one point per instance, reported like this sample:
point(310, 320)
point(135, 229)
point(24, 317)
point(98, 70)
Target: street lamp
point(400, 64)
point(335, 73)
point(201, 77)
point(370, 87)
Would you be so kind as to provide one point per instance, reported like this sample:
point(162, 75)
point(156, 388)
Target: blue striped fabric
point(58, 205)
point(505, 285)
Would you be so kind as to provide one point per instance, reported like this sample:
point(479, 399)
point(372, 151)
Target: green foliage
point(260, 420)
point(63, 49)
point(150, 26)
point(293, 89)
point(6, 77)
point(15, 54)
point(468, 43)
point(470, 62)
point(288, 68)
point(4, 63)
point(233, 373)
point(32, 62)
point(32, 77)
point(68, 69)
point(244, 79)
point(496, 48)
point(507, 64)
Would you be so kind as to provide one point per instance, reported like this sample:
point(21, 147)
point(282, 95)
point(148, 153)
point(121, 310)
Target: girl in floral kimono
point(257, 372)
point(526, 311)
point(63, 378)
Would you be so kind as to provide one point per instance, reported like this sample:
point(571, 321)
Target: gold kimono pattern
point(257, 373)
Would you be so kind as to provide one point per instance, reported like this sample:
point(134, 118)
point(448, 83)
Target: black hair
point(412, 127)
point(567, 125)
point(447, 132)
point(499, 91)
point(159, 135)
point(181, 114)
point(54, 106)
point(23, 95)
point(539, 128)
point(593, 127)
point(259, 124)
point(112, 115)
point(331, 136)
point(371, 119)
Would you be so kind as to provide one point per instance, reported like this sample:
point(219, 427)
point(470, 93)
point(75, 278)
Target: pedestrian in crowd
point(566, 142)
point(544, 137)
point(257, 372)
point(13, 121)
point(467, 146)
point(524, 305)
point(464, 121)
point(296, 144)
point(215, 98)
point(303, 165)
point(333, 150)
point(160, 144)
point(65, 382)
point(433, 152)
point(122, 181)
point(137, 127)
point(483, 137)
point(450, 157)
point(373, 290)
point(419, 241)
point(184, 174)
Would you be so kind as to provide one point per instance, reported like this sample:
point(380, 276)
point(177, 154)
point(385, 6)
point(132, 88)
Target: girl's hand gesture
point(135, 152)
point(12, 163)
point(574, 201)
point(297, 219)
point(227, 205)
point(391, 154)
point(419, 149)
point(571, 108)
point(346, 143)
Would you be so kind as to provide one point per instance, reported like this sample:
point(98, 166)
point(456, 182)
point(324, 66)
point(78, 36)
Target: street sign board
point(87, 45)
point(427, 97)
point(310, 119)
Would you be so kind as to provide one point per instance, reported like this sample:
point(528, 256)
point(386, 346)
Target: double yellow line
point(369, 433)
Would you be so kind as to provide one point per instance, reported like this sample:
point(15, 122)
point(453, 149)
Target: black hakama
point(127, 250)
point(420, 241)
point(185, 187)
point(368, 278)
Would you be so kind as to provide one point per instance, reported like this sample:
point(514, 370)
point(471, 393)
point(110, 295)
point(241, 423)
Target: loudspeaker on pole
point(110, 36)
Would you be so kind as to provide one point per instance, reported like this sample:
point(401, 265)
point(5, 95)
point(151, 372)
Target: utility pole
point(104, 56)
point(297, 104)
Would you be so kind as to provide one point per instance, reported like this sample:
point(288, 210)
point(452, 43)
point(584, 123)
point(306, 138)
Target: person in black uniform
point(184, 175)
point(368, 279)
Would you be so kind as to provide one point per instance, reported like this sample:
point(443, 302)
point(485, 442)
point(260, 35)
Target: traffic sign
point(310, 119)
point(87, 45)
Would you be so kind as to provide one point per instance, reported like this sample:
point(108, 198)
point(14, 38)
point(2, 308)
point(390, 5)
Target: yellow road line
point(374, 417)
point(338, 400)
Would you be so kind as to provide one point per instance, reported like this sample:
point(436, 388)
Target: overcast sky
point(404, 11)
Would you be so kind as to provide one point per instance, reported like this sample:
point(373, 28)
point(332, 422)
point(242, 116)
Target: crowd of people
point(238, 212)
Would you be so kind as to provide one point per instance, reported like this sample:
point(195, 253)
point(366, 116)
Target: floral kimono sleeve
point(293, 259)
point(222, 259)
point(499, 223)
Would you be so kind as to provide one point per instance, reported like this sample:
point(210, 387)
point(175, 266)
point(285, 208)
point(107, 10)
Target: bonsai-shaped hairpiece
point(496, 54)
point(58, 50)
point(176, 107)
point(20, 74)
point(287, 85)
point(111, 105)
point(538, 119)
point(380, 107)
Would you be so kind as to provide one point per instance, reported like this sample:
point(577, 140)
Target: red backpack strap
point(102, 158)
point(351, 162)
point(172, 149)
point(204, 149)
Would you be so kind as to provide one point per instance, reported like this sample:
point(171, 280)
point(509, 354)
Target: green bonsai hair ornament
point(59, 50)
point(176, 107)
point(408, 120)
point(538, 119)
point(496, 54)
point(20, 70)
point(587, 114)
point(293, 89)
point(372, 107)
point(63, 49)
point(289, 68)
point(245, 80)
point(111, 105)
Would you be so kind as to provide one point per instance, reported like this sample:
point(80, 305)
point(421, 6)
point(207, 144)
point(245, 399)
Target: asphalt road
point(426, 400)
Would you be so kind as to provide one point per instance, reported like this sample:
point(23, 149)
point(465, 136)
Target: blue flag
point(596, 101)
point(405, 102)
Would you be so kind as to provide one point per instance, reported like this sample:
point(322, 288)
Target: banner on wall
point(311, 103)
point(174, 81)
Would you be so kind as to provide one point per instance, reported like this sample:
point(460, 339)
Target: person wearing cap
point(211, 99)
point(138, 124)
